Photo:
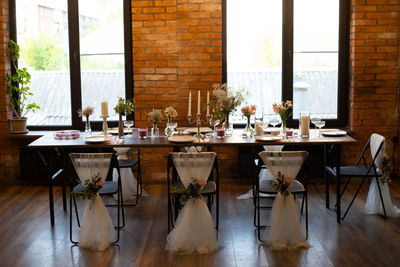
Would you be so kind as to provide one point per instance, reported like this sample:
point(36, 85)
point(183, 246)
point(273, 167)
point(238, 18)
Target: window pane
point(254, 50)
point(42, 33)
point(315, 57)
point(101, 30)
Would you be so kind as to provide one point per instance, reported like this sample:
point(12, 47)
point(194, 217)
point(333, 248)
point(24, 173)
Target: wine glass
point(274, 120)
point(319, 124)
point(314, 120)
point(128, 124)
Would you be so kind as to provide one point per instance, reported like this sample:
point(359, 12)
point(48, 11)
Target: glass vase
point(88, 129)
point(170, 129)
point(155, 132)
point(120, 127)
point(248, 130)
point(283, 128)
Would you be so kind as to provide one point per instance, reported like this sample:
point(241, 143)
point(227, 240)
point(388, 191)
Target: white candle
point(305, 125)
point(104, 109)
point(198, 103)
point(190, 104)
point(208, 102)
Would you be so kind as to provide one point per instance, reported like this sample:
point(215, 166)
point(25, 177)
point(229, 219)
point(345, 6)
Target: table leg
point(338, 206)
point(51, 199)
point(326, 178)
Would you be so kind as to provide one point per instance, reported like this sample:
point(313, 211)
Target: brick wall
point(177, 47)
point(374, 71)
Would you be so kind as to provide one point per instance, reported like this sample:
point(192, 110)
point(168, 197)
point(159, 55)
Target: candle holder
point(198, 122)
point(105, 126)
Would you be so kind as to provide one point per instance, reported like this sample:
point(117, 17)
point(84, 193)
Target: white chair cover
point(373, 204)
point(285, 223)
point(263, 175)
point(128, 181)
point(194, 231)
point(97, 229)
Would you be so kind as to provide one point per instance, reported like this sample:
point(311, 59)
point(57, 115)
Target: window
point(78, 53)
point(289, 49)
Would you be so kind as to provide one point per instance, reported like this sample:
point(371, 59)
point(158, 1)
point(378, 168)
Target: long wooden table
point(48, 141)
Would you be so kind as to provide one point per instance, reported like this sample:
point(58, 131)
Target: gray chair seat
point(209, 188)
point(110, 187)
point(127, 163)
point(354, 171)
point(265, 186)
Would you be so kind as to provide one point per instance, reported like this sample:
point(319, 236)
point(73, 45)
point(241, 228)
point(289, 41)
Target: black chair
point(365, 171)
point(263, 189)
point(210, 190)
point(110, 188)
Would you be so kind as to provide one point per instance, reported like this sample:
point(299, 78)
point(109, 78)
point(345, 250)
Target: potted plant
point(18, 91)
point(123, 107)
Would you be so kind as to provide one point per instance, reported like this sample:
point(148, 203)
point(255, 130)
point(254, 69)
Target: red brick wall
point(177, 47)
point(374, 71)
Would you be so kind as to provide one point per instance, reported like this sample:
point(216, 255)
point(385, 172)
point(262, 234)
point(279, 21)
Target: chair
point(376, 145)
point(289, 163)
point(125, 163)
point(87, 164)
point(196, 163)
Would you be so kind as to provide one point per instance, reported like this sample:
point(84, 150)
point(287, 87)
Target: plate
point(333, 132)
point(202, 130)
point(97, 139)
point(115, 131)
point(181, 139)
point(268, 138)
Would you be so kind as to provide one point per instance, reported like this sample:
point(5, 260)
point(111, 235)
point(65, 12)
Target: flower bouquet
point(192, 191)
point(171, 114)
point(155, 116)
point(247, 111)
point(282, 184)
point(285, 110)
point(90, 189)
point(86, 112)
point(123, 107)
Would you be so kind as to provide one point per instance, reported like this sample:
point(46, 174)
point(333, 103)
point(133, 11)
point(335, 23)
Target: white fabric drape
point(97, 229)
point(194, 230)
point(263, 175)
point(373, 204)
point(285, 229)
point(128, 181)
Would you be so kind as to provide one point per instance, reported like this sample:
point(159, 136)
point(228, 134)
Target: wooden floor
point(26, 238)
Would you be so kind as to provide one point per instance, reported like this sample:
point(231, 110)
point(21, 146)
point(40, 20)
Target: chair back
point(377, 146)
point(192, 165)
point(287, 163)
point(89, 164)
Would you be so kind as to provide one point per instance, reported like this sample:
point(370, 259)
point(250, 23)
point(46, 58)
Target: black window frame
point(287, 59)
point(74, 60)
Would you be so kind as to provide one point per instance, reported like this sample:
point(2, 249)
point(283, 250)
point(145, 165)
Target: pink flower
point(201, 182)
point(100, 184)
point(288, 180)
point(275, 108)
point(253, 108)
point(173, 113)
point(244, 110)
point(288, 103)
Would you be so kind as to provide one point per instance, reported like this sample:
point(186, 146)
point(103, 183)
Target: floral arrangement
point(171, 113)
point(247, 111)
point(282, 184)
point(86, 112)
point(284, 109)
point(227, 101)
point(192, 191)
point(155, 116)
point(124, 107)
point(386, 169)
point(90, 188)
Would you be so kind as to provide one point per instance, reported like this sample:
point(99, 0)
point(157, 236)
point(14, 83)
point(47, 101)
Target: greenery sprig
point(90, 188)
point(192, 191)
point(282, 184)
point(125, 107)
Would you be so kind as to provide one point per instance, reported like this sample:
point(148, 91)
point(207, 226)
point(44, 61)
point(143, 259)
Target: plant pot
point(18, 125)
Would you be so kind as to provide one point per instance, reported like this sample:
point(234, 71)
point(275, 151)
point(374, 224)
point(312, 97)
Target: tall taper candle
point(198, 103)
point(190, 104)
point(208, 102)
point(104, 109)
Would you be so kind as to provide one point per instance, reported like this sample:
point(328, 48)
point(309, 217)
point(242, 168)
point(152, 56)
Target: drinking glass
point(314, 120)
point(128, 124)
point(274, 120)
point(320, 124)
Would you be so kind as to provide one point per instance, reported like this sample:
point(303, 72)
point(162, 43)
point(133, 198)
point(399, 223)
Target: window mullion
point(74, 59)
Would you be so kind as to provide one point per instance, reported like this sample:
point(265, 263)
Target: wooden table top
point(48, 141)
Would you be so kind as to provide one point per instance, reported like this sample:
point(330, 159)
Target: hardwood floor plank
point(361, 240)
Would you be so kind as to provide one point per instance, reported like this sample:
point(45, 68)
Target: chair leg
point(70, 221)
point(122, 208)
point(302, 204)
point(351, 203)
point(344, 189)
point(380, 195)
point(76, 212)
point(306, 197)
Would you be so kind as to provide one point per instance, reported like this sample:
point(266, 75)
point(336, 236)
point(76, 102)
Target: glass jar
point(304, 124)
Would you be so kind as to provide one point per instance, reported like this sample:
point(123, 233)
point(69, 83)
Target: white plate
point(268, 138)
point(97, 139)
point(181, 138)
point(202, 130)
point(333, 132)
point(115, 131)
